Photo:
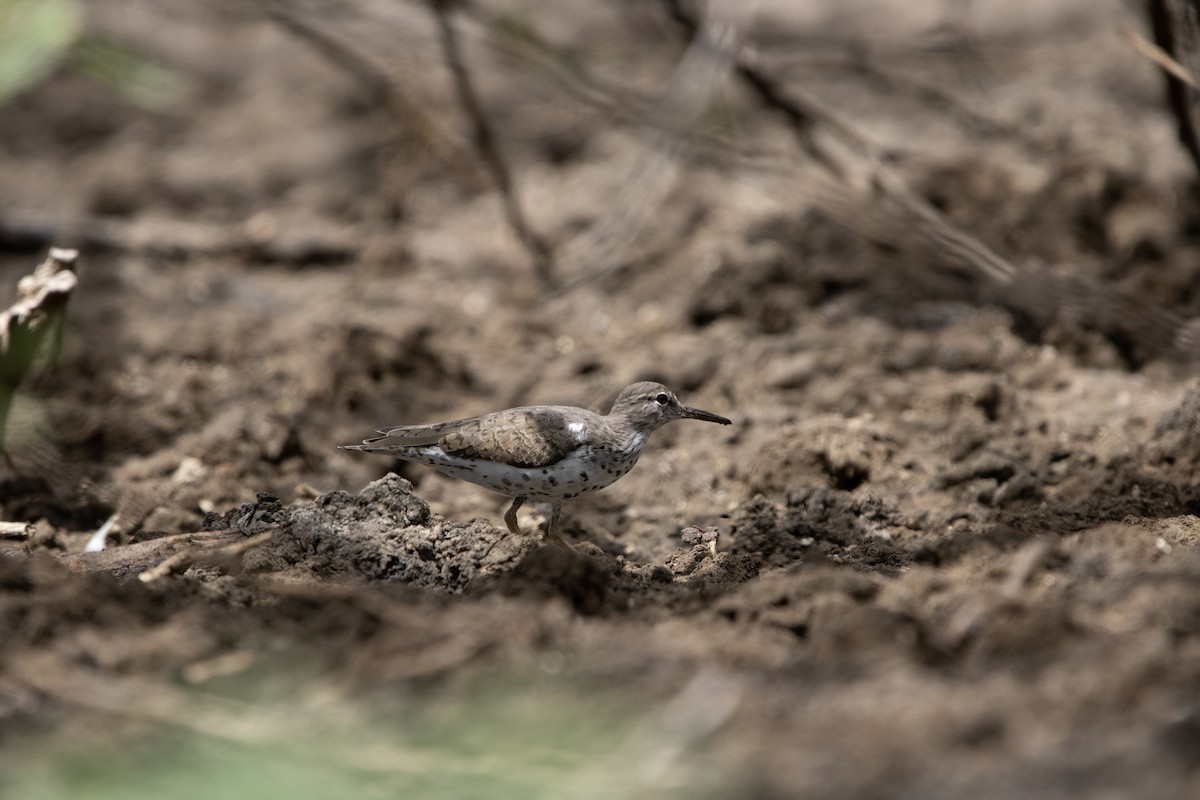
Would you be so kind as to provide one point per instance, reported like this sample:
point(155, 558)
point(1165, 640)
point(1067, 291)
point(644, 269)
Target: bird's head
point(648, 405)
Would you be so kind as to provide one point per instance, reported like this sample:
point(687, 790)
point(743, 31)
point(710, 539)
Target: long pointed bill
point(707, 416)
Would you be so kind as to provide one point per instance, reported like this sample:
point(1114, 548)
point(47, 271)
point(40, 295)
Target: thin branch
point(486, 143)
point(802, 119)
point(1160, 57)
point(621, 105)
point(139, 557)
point(860, 62)
point(186, 558)
point(382, 90)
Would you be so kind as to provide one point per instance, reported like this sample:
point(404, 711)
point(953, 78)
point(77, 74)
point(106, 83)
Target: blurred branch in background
point(383, 90)
point(485, 143)
point(522, 46)
point(1175, 25)
point(841, 172)
point(610, 241)
point(850, 179)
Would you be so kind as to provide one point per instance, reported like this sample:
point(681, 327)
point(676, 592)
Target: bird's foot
point(554, 530)
point(560, 541)
point(510, 516)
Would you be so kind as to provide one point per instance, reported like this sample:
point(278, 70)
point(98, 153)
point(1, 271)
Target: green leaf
point(36, 36)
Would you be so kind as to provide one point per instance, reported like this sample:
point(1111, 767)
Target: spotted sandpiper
point(542, 453)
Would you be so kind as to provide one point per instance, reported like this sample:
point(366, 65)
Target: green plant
point(40, 37)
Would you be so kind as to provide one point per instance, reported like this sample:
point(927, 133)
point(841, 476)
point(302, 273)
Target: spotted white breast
point(584, 469)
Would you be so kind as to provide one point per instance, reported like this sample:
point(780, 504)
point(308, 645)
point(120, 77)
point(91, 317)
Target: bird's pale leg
point(510, 516)
point(553, 532)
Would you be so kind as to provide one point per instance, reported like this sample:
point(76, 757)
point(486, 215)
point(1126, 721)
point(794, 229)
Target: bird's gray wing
point(522, 437)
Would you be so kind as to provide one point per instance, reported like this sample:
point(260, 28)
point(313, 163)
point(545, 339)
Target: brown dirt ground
point(957, 553)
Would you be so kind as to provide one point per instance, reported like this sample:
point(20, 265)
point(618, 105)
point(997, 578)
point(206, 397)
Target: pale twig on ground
point(186, 558)
point(16, 530)
point(147, 559)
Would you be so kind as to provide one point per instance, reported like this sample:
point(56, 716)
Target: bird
point(545, 454)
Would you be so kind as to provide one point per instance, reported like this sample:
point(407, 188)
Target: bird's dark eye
point(662, 398)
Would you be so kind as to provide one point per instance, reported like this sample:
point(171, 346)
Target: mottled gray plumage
point(547, 453)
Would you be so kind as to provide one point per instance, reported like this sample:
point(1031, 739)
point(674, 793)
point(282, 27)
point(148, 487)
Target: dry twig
point(152, 559)
point(184, 559)
point(1160, 57)
point(16, 530)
